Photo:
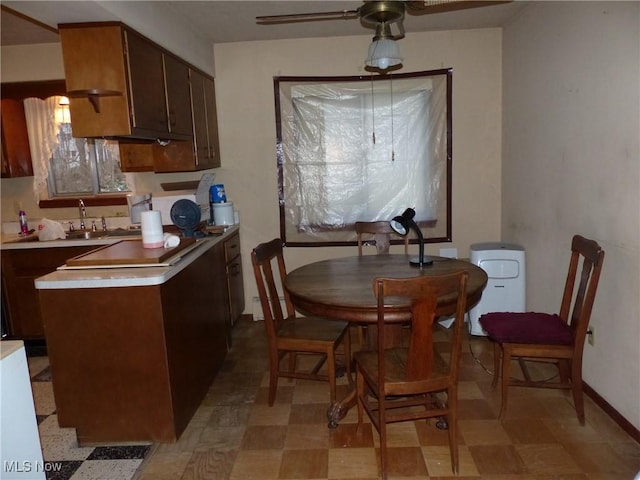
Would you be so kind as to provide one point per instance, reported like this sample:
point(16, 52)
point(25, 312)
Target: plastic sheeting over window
point(363, 149)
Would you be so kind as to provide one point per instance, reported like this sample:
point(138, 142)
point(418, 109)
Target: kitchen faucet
point(83, 213)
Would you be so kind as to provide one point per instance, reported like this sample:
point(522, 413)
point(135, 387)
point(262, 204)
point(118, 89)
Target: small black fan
point(185, 215)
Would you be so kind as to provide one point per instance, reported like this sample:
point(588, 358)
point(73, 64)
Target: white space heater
point(505, 290)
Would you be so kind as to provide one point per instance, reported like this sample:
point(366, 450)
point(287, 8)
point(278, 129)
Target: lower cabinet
point(21, 305)
point(134, 363)
point(235, 285)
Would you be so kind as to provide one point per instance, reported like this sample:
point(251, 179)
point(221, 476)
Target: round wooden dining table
point(342, 289)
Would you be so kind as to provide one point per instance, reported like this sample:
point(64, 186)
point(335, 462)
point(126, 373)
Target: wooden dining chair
point(556, 338)
point(379, 234)
point(399, 384)
point(290, 335)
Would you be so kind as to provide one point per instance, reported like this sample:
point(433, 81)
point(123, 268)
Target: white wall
point(22, 63)
point(571, 164)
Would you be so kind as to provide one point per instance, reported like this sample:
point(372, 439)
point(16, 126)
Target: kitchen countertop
point(13, 241)
point(123, 276)
point(7, 347)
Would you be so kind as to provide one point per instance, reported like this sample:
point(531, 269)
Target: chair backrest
point(268, 261)
point(581, 289)
point(381, 232)
point(423, 293)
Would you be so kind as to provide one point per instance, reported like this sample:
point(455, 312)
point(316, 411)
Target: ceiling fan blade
point(424, 7)
point(307, 17)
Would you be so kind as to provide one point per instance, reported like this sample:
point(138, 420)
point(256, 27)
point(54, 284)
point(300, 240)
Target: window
point(64, 165)
point(363, 149)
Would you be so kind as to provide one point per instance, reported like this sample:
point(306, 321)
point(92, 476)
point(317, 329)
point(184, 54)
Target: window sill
point(89, 201)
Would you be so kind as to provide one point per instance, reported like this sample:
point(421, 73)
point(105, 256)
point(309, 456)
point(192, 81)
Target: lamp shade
point(383, 53)
point(402, 223)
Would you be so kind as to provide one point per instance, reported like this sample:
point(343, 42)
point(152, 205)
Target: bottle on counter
point(24, 227)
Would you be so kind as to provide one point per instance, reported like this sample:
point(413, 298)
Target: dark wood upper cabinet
point(16, 153)
point(201, 143)
point(212, 122)
point(96, 76)
point(201, 153)
point(121, 84)
point(178, 96)
point(146, 86)
point(124, 86)
point(205, 120)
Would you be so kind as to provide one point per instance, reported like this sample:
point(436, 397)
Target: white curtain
point(41, 128)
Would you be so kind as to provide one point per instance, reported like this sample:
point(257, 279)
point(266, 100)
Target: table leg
point(338, 410)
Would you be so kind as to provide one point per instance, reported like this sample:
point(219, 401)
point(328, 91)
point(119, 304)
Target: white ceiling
point(234, 21)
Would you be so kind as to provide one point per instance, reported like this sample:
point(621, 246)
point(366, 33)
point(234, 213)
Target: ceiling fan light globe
point(383, 53)
point(383, 63)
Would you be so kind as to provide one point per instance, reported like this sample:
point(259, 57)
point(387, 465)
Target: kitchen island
point(133, 350)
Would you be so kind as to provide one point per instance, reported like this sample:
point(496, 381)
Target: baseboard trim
point(612, 412)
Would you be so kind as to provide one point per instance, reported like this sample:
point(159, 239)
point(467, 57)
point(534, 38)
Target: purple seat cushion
point(527, 327)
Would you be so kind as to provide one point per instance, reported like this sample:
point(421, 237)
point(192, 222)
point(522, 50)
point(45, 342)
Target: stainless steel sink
point(86, 235)
point(83, 234)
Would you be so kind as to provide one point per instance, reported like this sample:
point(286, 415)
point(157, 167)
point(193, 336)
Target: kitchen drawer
point(231, 248)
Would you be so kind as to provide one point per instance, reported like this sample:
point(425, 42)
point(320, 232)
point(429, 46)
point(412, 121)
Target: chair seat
point(312, 329)
point(527, 327)
point(396, 371)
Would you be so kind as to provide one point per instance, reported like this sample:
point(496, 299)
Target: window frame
point(447, 72)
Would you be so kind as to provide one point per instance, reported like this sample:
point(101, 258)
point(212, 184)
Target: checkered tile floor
point(235, 435)
point(64, 459)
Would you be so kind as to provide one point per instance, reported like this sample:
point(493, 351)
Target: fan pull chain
point(393, 151)
point(373, 114)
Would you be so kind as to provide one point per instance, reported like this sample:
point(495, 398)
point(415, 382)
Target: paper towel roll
point(151, 226)
point(171, 241)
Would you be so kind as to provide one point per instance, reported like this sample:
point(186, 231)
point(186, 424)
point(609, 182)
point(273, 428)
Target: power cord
point(493, 374)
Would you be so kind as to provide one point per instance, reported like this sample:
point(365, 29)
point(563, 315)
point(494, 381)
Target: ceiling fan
point(376, 12)
point(381, 15)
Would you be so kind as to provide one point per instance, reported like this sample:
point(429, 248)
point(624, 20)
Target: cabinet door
point(213, 152)
point(16, 153)
point(146, 88)
point(178, 95)
point(200, 134)
point(236, 289)
point(94, 62)
point(235, 282)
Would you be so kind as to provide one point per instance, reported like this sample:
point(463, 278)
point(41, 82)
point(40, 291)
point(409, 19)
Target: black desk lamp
point(401, 225)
